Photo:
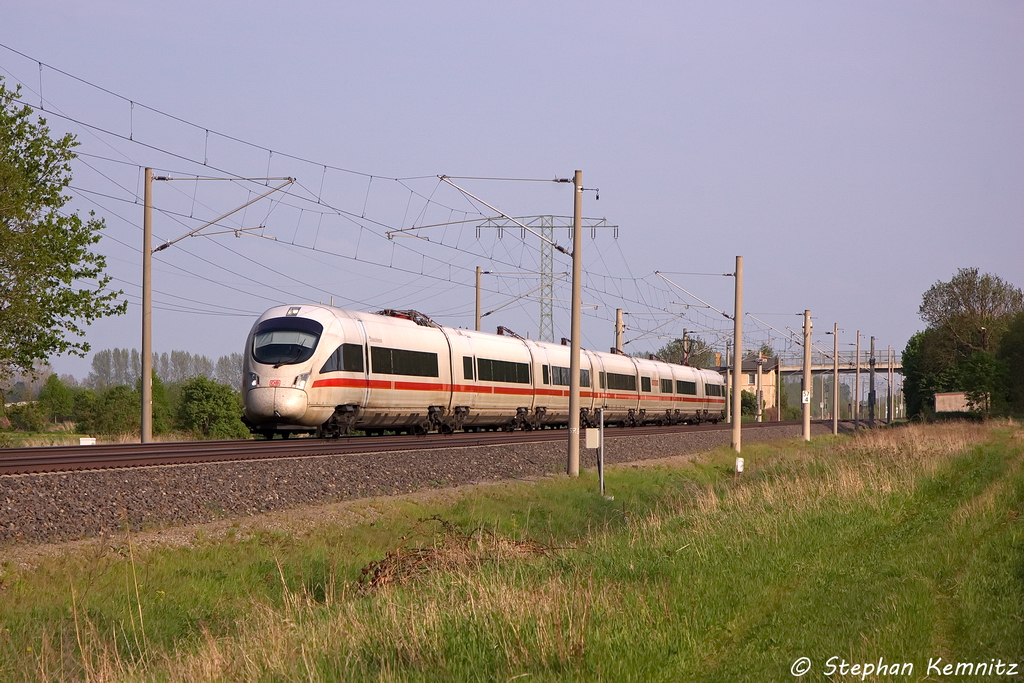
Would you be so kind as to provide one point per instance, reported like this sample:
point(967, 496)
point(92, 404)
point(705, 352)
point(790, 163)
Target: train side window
point(544, 372)
point(352, 357)
point(666, 386)
point(645, 383)
point(347, 357)
point(387, 361)
point(716, 390)
point(467, 367)
point(331, 365)
point(621, 382)
point(686, 387)
point(489, 370)
point(601, 377)
point(560, 375)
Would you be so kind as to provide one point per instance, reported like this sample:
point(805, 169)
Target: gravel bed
point(41, 508)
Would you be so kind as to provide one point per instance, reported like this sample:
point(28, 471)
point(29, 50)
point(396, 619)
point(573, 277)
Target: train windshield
point(286, 341)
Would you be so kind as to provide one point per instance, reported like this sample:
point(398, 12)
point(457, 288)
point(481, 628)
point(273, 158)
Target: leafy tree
point(115, 411)
point(967, 318)
point(211, 410)
point(86, 410)
point(928, 369)
point(973, 309)
point(764, 351)
point(120, 411)
point(699, 354)
point(46, 256)
point(748, 403)
point(982, 381)
point(1011, 356)
point(57, 398)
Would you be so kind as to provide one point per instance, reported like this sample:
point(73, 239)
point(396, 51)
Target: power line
point(363, 222)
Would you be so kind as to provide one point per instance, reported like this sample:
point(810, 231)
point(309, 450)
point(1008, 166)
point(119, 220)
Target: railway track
point(110, 456)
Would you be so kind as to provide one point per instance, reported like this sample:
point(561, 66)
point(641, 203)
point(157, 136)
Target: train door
point(597, 381)
point(410, 372)
point(464, 406)
point(361, 330)
point(589, 362)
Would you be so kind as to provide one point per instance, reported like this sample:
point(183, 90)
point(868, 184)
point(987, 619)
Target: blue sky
point(853, 153)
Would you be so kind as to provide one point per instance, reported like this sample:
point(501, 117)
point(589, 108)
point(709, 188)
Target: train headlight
point(300, 381)
point(254, 380)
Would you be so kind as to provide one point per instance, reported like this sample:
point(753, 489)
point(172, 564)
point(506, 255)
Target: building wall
point(748, 382)
point(951, 402)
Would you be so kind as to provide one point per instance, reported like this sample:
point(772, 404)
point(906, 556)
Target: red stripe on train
point(361, 383)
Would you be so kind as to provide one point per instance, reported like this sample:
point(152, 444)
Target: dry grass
point(543, 625)
point(849, 472)
point(452, 551)
point(66, 437)
point(919, 442)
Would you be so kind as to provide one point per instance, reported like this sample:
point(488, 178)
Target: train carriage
point(324, 370)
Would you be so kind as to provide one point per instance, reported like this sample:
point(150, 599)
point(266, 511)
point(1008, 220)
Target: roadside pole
point(600, 448)
point(477, 328)
point(856, 389)
point(871, 386)
point(835, 378)
point(573, 465)
point(737, 359)
point(805, 396)
point(146, 428)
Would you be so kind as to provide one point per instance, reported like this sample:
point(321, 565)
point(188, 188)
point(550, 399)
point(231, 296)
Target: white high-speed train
point(325, 370)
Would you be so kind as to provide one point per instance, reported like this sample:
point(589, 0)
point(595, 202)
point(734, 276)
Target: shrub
point(119, 411)
point(57, 398)
point(28, 417)
point(211, 410)
point(748, 402)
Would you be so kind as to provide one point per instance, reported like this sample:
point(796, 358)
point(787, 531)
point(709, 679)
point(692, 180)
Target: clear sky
point(852, 153)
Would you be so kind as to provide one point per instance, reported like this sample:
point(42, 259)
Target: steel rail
point(110, 456)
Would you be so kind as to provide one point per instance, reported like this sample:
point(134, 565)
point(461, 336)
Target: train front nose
point(275, 404)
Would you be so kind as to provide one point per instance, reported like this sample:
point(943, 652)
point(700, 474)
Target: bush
point(57, 399)
point(162, 402)
point(86, 410)
point(119, 411)
point(211, 410)
point(28, 417)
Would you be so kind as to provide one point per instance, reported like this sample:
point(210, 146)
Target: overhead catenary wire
point(240, 178)
point(630, 290)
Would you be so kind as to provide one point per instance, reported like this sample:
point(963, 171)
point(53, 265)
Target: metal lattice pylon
point(545, 227)
point(547, 279)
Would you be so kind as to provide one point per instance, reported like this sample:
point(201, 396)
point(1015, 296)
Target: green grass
point(903, 544)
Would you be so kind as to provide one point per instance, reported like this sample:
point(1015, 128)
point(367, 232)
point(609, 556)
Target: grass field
point(897, 547)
